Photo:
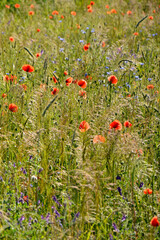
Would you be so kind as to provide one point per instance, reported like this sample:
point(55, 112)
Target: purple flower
point(110, 237)
point(141, 185)
point(115, 227)
point(118, 178)
point(124, 218)
point(76, 216)
point(119, 190)
point(55, 199)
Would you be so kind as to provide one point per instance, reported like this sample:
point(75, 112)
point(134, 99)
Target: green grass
point(70, 183)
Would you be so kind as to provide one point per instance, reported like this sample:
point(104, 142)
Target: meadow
point(80, 119)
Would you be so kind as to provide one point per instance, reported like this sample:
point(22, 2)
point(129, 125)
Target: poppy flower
point(92, 3)
point(82, 83)
point(24, 86)
point(38, 30)
point(4, 95)
point(147, 191)
point(83, 94)
point(150, 17)
point(86, 47)
point(108, 12)
point(78, 26)
point(103, 44)
point(73, 13)
point(112, 79)
point(89, 6)
point(90, 10)
point(32, 6)
point(17, 5)
point(62, 16)
point(13, 107)
point(150, 86)
point(65, 73)
point(51, 17)
point(54, 79)
point(84, 126)
point(25, 198)
point(116, 125)
point(7, 6)
point(55, 91)
point(38, 55)
point(127, 124)
point(154, 222)
point(129, 95)
point(107, 6)
point(136, 34)
point(55, 12)
point(129, 12)
point(122, 14)
point(99, 138)
point(154, 11)
point(69, 81)
point(11, 39)
point(27, 68)
point(113, 11)
point(31, 13)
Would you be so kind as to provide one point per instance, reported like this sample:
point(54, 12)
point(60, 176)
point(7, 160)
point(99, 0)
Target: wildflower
point(31, 6)
point(90, 9)
point(150, 17)
point(55, 91)
point(154, 11)
point(129, 12)
point(108, 12)
point(54, 79)
point(38, 30)
point(73, 13)
point(113, 11)
point(13, 107)
point(17, 5)
point(127, 124)
point(78, 26)
point(119, 190)
point(83, 94)
point(103, 44)
point(147, 191)
point(112, 79)
point(25, 198)
point(55, 12)
point(150, 86)
point(62, 16)
point(65, 73)
point(154, 222)
point(141, 184)
point(4, 95)
point(116, 125)
point(27, 68)
point(84, 126)
point(69, 81)
point(31, 13)
point(82, 83)
point(38, 55)
point(115, 227)
point(99, 139)
point(136, 34)
point(89, 6)
point(7, 6)
point(11, 39)
point(107, 6)
point(24, 86)
point(76, 216)
point(86, 47)
point(118, 178)
point(51, 17)
point(92, 3)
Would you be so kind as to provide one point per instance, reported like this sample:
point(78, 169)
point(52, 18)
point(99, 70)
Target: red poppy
point(11, 39)
point(129, 12)
point(73, 13)
point(127, 124)
point(103, 44)
point(116, 125)
point(31, 13)
point(38, 30)
point(69, 81)
point(154, 11)
point(92, 3)
point(27, 68)
point(25, 198)
point(51, 17)
point(17, 5)
point(55, 91)
point(107, 6)
point(83, 94)
point(86, 47)
point(99, 138)
point(78, 26)
point(84, 126)
point(82, 83)
point(54, 79)
point(154, 222)
point(147, 191)
point(13, 107)
point(24, 86)
point(113, 11)
point(136, 34)
point(4, 95)
point(150, 86)
point(55, 12)
point(89, 6)
point(32, 6)
point(38, 55)
point(90, 10)
point(65, 73)
point(62, 16)
point(150, 17)
point(129, 95)
point(7, 6)
point(112, 79)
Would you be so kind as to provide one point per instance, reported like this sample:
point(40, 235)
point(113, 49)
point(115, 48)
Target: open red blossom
point(38, 55)
point(73, 13)
point(31, 13)
point(24, 86)
point(83, 94)
point(69, 81)
point(62, 16)
point(50, 17)
point(129, 12)
point(55, 91)
point(13, 107)
point(136, 34)
point(107, 6)
point(90, 10)
point(147, 191)
point(38, 30)
point(86, 47)
point(99, 139)
point(65, 73)
point(112, 79)
point(17, 5)
point(92, 3)
point(150, 86)
point(54, 79)
point(154, 222)
point(88, 6)
point(7, 6)
point(127, 124)
point(116, 125)
point(32, 6)
point(113, 11)
point(4, 95)
point(55, 12)
point(82, 83)
point(150, 17)
point(84, 126)
point(103, 44)
point(27, 68)
point(11, 39)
